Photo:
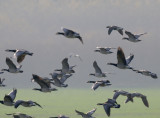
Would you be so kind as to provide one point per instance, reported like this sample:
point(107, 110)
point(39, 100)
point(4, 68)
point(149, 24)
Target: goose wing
point(116, 94)
point(110, 30)
point(121, 57)
point(129, 58)
point(68, 32)
point(65, 64)
point(91, 112)
point(130, 35)
point(65, 77)
point(120, 31)
point(107, 109)
point(10, 64)
point(17, 103)
point(37, 104)
point(145, 101)
point(40, 81)
point(96, 67)
point(20, 58)
point(12, 94)
point(80, 113)
point(96, 85)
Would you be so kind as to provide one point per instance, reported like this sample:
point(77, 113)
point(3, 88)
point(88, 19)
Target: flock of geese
point(59, 76)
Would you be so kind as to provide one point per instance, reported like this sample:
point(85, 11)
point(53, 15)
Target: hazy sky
point(32, 25)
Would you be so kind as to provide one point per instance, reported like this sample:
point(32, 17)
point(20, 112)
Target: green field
point(65, 101)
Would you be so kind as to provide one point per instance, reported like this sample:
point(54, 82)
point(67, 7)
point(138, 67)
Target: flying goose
point(27, 103)
point(9, 99)
point(12, 67)
point(98, 71)
point(60, 116)
point(111, 28)
point(105, 50)
point(44, 84)
point(147, 73)
point(66, 69)
point(19, 54)
point(1, 82)
point(58, 82)
point(124, 93)
point(86, 115)
point(111, 103)
point(143, 97)
point(101, 83)
point(20, 115)
point(133, 37)
point(70, 34)
point(123, 63)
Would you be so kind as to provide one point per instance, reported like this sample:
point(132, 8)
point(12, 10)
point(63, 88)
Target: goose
point(123, 63)
point(70, 34)
point(58, 82)
point(66, 69)
point(86, 115)
point(143, 97)
point(124, 93)
point(98, 71)
point(9, 99)
point(1, 82)
point(60, 116)
point(147, 73)
point(45, 85)
point(105, 50)
point(111, 28)
point(20, 115)
point(19, 54)
point(27, 103)
point(133, 37)
point(111, 103)
point(101, 83)
point(12, 67)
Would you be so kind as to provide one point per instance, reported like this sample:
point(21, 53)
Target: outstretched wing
point(121, 57)
point(130, 34)
point(10, 64)
point(79, 113)
point(65, 64)
point(37, 104)
point(145, 101)
point(107, 109)
point(110, 30)
point(91, 112)
point(96, 67)
point(129, 58)
point(13, 93)
point(17, 103)
point(96, 85)
point(115, 96)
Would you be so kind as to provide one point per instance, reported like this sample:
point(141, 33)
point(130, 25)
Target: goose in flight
point(59, 81)
point(143, 97)
point(66, 69)
point(86, 115)
point(101, 83)
point(123, 63)
point(111, 28)
point(98, 71)
point(27, 103)
point(123, 93)
point(44, 84)
point(12, 67)
point(70, 34)
point(19, 54)
point(147, 73)
point(20, 115)
point(105, 50)
point(111, 103)
point(133, 37)
point(9, 99)
point(60, 116)
point(1, 82)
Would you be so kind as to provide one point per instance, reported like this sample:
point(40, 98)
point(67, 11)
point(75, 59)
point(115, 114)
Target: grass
point(65, 101)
